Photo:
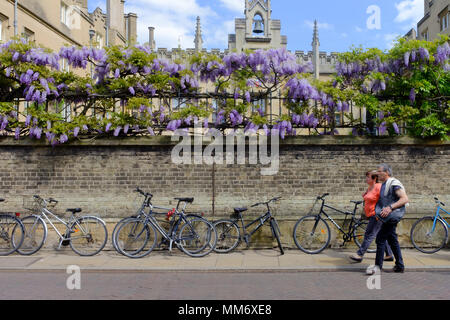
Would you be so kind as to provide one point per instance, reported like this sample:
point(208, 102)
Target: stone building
point(256, 31)
point(55, 23)
point(435, 21)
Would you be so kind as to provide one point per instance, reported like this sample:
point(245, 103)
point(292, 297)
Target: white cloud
point(390, 39)
point(219, 37)
point(234, 5)
point(409, 12)
point(174, 21)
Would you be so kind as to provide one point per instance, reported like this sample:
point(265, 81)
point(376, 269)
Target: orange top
point(370, 200)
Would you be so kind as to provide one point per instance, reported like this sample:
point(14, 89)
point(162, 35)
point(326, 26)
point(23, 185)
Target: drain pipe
point(16, 31)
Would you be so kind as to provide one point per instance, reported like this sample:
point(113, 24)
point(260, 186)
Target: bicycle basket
point(35, 205)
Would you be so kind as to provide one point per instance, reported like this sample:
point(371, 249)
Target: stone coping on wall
point(166, 140)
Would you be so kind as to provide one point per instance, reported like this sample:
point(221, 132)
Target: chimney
point(151, 38)
point(116, 15)
point(131, 28)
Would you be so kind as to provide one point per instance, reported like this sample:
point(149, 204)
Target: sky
point(342, 24)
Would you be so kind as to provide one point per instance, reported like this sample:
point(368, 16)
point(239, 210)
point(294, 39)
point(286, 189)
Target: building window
point(98, 41)
point(65, 14)
point(259, 104)
point(338, 118)
point(28, 35)
point(3, 27)
point(443, 21)
point(424, 35)
point(65, 67)
point(66, 111)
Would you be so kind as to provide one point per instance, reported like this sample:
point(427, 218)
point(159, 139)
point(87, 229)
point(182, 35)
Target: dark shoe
point(398, 269)
point(389, 258)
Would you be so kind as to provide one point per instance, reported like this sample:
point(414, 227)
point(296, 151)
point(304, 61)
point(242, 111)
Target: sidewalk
point(239, 261)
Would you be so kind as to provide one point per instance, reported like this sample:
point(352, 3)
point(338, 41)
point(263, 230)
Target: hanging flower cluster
point(111, 91)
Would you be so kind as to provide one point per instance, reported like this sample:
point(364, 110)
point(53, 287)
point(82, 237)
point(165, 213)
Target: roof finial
point(198, 41)
point(316, 33)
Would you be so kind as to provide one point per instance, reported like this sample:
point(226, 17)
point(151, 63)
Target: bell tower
point(257, 30)
point(257, 16)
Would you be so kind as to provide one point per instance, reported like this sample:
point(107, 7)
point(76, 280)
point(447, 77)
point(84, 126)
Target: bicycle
point(11, 233)
point(194, 235)
point(430, 234)
point(146, 203)
point(230, 235)
point(312, 233)
point(86, 235)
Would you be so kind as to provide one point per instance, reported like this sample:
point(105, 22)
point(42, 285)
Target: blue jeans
point(373, 227)
point(388, 233)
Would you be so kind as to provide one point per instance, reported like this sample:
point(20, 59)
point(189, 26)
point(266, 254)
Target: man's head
point(384, 172)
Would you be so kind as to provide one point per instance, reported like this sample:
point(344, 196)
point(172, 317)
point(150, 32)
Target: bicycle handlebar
point(145, 194)
point(323, 196)
point(439, 202)
point(267, 202)
point(49, 200)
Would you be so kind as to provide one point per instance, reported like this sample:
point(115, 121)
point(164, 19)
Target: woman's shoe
point(356, 258)
point(389, 258)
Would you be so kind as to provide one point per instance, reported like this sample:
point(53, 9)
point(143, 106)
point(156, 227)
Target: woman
point(371, 197)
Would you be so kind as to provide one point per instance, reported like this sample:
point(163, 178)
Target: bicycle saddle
point(74, 210)
point(356, 202)
point(188, 200)
point(239, 210)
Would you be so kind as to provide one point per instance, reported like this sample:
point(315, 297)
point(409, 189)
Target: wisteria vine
point(407, 87)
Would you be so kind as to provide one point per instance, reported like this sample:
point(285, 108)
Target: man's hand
point(385, 212)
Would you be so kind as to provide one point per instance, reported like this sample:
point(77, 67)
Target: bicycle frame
point(438, 216)
point(347, 236)
point(261, 219)
point(44, 213)
point(150, 218)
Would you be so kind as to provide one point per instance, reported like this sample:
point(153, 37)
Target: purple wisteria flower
point(412, 95)
point(396, 128)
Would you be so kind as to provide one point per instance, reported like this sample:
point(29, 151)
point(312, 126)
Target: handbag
point(394, 217)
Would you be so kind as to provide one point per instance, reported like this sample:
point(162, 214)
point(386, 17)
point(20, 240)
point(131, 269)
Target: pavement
point(249, 260)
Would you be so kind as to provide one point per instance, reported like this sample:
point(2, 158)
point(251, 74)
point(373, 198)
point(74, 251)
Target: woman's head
point(371, 177)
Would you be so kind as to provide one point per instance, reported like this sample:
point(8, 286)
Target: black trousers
point(388, 233)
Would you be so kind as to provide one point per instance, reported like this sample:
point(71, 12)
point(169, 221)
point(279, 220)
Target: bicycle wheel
point(35, 235)
point(197, 237)
point(228, 236)
point(11, 234)
point(88, 236)
point(135, 239)
point(276, 233)
point(114, 233)
point(426, 239)
point(358, 236)
point(311, 234)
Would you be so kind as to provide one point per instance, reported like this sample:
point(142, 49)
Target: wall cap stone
point(167, 141)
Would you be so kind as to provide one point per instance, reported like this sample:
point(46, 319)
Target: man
point(390, 209)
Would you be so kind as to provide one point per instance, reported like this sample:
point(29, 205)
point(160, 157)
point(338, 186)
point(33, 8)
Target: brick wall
point(100, 176)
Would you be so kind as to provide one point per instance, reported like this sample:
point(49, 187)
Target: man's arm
point(403, 199)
